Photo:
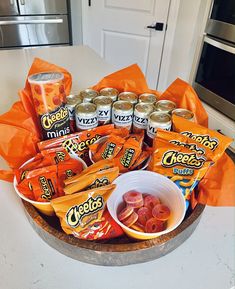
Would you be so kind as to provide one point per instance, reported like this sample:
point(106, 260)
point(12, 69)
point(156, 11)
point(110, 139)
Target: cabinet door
point(8, 8)
point(36, 7)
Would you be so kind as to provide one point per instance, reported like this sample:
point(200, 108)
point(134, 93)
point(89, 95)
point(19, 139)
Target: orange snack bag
point(25, 188)
point(184, 141)
point(138, 137)
point(128, 155)
point(42, 182)
point(107, 228)
point(212, 140)
point(56, 155)
point(45, 186)
point(139, 162)
point(45, 158)
point(107, 150)
point(91, 181)
point(66, 170)
point(184, 167)
point(96, 167)
point(92, 135)
point(77, 143)
point(23, 170)
point(78, 211)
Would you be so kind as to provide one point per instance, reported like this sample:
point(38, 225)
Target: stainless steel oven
point(214, 79)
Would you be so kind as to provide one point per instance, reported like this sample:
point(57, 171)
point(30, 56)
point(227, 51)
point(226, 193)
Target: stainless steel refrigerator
point(27, 23)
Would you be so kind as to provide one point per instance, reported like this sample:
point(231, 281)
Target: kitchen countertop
point(205, 261)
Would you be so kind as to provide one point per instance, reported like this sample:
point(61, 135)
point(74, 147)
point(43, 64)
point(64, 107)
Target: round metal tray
point(116, 252)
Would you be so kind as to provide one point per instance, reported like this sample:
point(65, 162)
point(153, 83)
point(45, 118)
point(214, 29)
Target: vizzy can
point(140, 117)
point(185, 113)
point(122, 114)
point(110, 92)
point(86, 116)
point(165, 106)
point(49, 99)
point(128, 96)
point(157, 119)
point(103, 109)
point(148, 98)
point(88, 95)
point(72, 101)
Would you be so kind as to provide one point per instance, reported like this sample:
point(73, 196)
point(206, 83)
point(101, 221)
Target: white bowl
point(141, 166)
point(154, 184)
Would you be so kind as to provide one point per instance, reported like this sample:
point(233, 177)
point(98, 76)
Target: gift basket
point(117, 174)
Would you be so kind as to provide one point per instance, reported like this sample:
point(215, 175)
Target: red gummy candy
point(161, 212)
point(144, 214)
point(133, 199)
point(154, 225)
point(126, 212)
point(151, 201)
point(130, 220)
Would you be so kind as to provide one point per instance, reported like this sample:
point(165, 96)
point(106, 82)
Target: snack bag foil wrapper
point(43, 159)
point(210, 139)
point(41, 183)
point(56, 155)
point(108, 149)
point(183, 166)
point(184, 141)
point(91, 181)
point(19, 129)
point(80, 213)
point(78, 142)
point(93, 169)
point(130, 152)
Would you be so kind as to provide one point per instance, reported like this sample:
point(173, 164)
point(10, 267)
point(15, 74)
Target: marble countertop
point(205, 261)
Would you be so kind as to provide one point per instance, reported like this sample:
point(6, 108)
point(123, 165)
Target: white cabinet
point(221, 123)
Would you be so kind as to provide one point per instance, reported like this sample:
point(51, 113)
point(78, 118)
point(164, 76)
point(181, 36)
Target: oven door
point(215, 77)
point(221, 23)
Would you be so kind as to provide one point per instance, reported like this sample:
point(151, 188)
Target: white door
point(117, 30)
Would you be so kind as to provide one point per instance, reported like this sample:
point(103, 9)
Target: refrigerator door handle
point(32, 21)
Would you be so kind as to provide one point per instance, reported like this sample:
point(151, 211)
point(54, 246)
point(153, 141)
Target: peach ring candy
point(161, 212)
point(144, 214)
point(150, 201)
point(154, 225)
point(126, 212)
point(130, 220)
point(133, 198)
